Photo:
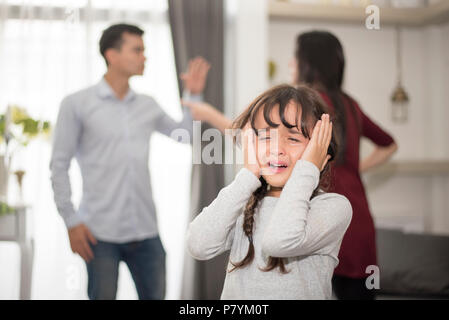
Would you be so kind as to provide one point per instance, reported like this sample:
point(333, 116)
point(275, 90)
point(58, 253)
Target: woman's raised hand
point(195, 78)
point(316, 150)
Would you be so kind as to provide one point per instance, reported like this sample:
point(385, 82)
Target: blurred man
point(107, 128)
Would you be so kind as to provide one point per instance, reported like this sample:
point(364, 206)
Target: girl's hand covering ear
point(249, 150)
point(316, 150)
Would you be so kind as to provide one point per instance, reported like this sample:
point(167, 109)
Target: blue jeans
point(145, 260)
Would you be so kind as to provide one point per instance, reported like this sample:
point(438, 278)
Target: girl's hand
point(249, 150)
point(316, 150)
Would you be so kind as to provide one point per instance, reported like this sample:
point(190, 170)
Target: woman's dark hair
point(311, 106)
point(321, 64)
point(112, 37)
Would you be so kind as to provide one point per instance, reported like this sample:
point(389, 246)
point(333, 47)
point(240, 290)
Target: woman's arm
point(379, 156)
point(211, 232)
point(385, 144)
point(203, 111)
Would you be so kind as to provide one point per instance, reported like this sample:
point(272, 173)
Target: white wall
point(246, 56)
point(251, 52)
point(414, 202)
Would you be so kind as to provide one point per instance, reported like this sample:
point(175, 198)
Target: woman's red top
point(358, 249)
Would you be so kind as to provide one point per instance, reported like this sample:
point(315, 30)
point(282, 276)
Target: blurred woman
point(319, 62)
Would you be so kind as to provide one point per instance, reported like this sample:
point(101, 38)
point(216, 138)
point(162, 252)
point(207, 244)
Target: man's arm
point(65, 144)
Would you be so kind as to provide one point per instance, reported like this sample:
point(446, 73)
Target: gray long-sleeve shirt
point(110, 140)
point(308, 233)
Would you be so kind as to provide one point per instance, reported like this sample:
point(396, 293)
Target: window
point(49, 49)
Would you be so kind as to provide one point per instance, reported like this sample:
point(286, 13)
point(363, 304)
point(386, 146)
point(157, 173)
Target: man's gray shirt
point(110, 140)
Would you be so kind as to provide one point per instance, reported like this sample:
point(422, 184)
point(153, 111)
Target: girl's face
point(279, 148)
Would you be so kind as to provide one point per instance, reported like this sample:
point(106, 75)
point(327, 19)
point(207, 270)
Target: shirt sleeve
point(212, 231)
point(65, 144)
point(169, 127)
point(374, 132)
point(300, 226)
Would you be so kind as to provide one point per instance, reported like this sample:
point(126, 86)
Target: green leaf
point(5, 209)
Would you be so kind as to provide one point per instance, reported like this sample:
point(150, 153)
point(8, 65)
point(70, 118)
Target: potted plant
point(17, 129)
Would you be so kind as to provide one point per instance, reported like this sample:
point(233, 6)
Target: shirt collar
point(105, 91)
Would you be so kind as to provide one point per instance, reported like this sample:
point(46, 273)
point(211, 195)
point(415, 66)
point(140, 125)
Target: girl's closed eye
point(263, 135)
point(294, 140)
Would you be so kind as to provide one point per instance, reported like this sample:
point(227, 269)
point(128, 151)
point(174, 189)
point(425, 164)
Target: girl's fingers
point(315, 131)
point(326, 129)
point(250, 148)
point(324, 126)
point(329, 135)
point(241, 140)
point(246, 133)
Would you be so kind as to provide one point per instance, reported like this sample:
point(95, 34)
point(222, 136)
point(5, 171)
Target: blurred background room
point(49, 49)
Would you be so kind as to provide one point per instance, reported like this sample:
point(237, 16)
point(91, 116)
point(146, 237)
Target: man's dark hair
point(112, 37)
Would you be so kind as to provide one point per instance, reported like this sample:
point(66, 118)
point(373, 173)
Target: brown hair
point(312, 107)
point(112, 37)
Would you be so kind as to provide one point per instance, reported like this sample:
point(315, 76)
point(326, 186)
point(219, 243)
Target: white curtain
point(49, 49)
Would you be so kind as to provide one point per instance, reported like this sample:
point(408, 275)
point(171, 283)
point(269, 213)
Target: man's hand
point(80, 237)
point(194, 79)
point(316, 150)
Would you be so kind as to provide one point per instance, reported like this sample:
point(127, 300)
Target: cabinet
point(16, 227)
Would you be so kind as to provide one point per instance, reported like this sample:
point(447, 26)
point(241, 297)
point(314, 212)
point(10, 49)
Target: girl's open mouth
point(277, 166)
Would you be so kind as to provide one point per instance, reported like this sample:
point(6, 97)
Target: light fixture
point(399, 97)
